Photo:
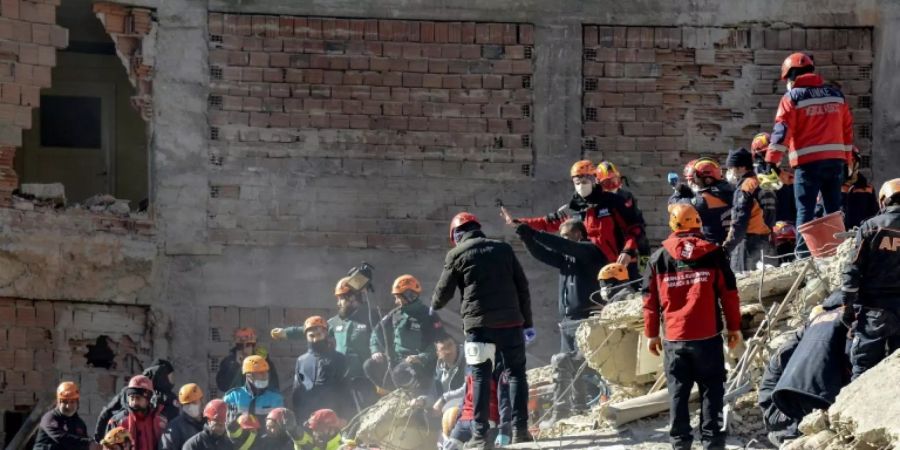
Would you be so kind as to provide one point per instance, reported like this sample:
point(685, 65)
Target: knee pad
point(479, 352)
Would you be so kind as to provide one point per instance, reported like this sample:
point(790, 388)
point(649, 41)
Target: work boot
point(479, 442)
point(521, 435)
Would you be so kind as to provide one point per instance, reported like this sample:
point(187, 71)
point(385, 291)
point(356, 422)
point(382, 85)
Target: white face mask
point(584, 189)
point(605, 293)
point(260, 384)
point(192, 410)
point(790, 85)
point(732, 177)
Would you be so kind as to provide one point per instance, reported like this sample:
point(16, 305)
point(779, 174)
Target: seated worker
point(61, 428)
point(611, 225)
point(449, 385)
point(320, 375)
point(412, 329)
point(188, 423)
point(785, 204)
point(255, 396)
point(751, 213)
point(610, 180)
point(117, 439)
point(614, 285)
point(215, 432)
point(230, 375)
point(351, 330)
point(709, 194)
point(144, 422)
point(806, 373)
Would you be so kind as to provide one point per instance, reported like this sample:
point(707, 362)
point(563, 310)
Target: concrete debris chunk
point(51, 195)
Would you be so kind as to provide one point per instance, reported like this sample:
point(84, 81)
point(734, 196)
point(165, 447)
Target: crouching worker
point(871, 287)
point(687, 284)
point(614, 285)
point(214, 434)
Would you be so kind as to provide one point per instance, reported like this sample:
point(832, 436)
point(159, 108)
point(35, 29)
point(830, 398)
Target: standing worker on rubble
point(578, 261)
point(781, 180)
point(255, 396)
point(752, 214)
point(609, 178)
point(858, 199)
point(871, 285)
point(61, 428)
point(496, 313)
point(610, 224)
point(814, 126)
point(320, 375)
point(688, 285)
point(229, 375)
point(351, 329)
point(709, 194)
point(402, 343)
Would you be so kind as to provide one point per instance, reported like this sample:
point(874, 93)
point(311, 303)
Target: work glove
point(530, 335)
point(278, 334)
point(502, 440)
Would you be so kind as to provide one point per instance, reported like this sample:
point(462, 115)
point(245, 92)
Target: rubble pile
point(392, 424)
point(863, 417)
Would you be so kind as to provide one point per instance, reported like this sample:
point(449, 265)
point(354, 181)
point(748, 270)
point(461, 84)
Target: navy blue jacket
point(713, 203)
point(871, 278)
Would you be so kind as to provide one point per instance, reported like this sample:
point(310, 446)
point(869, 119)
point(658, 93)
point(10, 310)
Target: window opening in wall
point(590, 84)
point(590, 114)
point(12, 422)
point(100, 355)
point(590, 54)
point(526, 82)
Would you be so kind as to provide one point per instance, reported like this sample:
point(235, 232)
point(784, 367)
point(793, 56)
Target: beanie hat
point(739, 158)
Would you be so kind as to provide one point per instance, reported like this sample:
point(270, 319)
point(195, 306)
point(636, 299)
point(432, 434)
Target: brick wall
point(29, 38)
point(313, 115)
point(224, 320)
point(655, 97)
point(44, 342)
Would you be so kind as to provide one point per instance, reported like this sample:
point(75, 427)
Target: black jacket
point(114, 406)
point(58, 432)
point(229, 375)
point(773, 418)
point(713, 204)
point(493, 285)
point(205, 440)
point(320, 381)
point(158, 372)
point(179, 430)
point(578, 264)
point(871, 278)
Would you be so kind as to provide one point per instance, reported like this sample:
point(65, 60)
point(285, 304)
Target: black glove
point(848, 315)
point(524, 231)
point(684, 191)
point(772, 167)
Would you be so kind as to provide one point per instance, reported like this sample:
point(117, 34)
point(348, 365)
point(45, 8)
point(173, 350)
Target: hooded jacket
point(578, 264)
point(60, 432)
point(689, 285)
point(492, 283)
point(145, 428)
point(753, 211)
point(320, 382)
point(158, 372)
point(612, 226)
point(179, 431)
point(813, 123)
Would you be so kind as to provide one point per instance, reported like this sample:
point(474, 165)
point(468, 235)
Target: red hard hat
point(795, 61)
point(784, 232)
point(707, 167)
point(760, 143)
point(215, 410)
point(324, 418)
point(460, 220)
point(277, 414)
point(689, 170)
point(140, 382)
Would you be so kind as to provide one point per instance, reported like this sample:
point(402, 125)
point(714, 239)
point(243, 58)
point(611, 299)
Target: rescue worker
point(752, 214)
point(709, 194)
point(578, 261)
point(858, 198)
point(448, 386)
point(117, 439)
point(610, 180)
point(324, 431)
point(186, 424)
point(351, 329)
point(144, 422)
point(785, 206)
point(496, 313)
point(244, 432)
point(230, 375)
point(255, 396)
point(411, 328)
point(614, 285)
point(785, 236)
point(689, 285)
point(214, 435)
point(610, 224)
point(871, 286)
point(161, 372)
point(814, 126)
point(61, 428)
point(320, 375)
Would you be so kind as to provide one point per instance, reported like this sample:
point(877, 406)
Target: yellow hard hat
point(254, 364)
point(189, 393)
point(683, 217)
point(614, 271)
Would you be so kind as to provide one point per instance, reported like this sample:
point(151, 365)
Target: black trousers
point(701, 362)
point(510, 355)
point(876, 334)
point(565, 365)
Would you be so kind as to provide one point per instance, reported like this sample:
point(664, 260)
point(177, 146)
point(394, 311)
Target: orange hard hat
point(405, 283)
point(760, 143)
point(460, 220)
point(582, 168)
point(683, 217)
point(248, 421)
point(315, 322)
point(216, 410)
point(254, 364)
point(116, 436)
point(324, 419)
point(245, 335)
point(67, 390)
point(343, 287)
point(707, 167)
point(613, 271)
point(888, 190)
point(189, 393)
point(795, 61)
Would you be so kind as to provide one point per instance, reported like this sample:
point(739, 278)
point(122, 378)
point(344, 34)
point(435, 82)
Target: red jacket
point(145, 429)
point(813, 123)
point(612, 225)
point(468, 408)
point(689, 283)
